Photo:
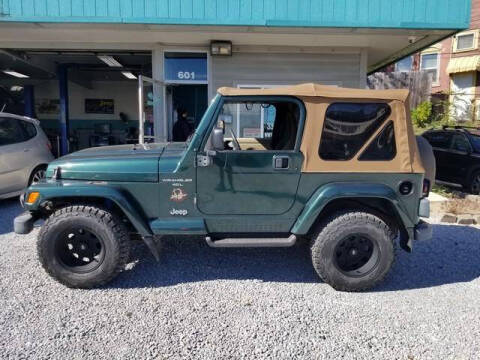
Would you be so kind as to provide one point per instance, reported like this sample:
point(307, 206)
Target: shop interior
point(90, 96)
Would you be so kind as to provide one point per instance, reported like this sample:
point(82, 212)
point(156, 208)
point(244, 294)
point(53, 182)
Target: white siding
point(284, 69)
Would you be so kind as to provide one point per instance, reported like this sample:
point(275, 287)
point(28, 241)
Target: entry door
point(262, 178)
point(463, 94)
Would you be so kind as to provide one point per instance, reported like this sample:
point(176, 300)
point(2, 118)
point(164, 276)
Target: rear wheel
point(83, 246)
point(353, 251)
point(474, 184)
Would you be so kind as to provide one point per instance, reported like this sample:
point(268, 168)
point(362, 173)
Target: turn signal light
point(32, 197)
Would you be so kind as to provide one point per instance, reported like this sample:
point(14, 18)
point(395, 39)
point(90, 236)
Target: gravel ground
point(242, 303)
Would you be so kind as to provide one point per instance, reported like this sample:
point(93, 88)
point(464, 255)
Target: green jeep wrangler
point(265, 168)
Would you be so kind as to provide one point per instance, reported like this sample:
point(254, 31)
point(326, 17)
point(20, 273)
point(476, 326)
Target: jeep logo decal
point(175, 212)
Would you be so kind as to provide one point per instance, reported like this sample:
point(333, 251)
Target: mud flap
point(406, 237)
point(153, 246)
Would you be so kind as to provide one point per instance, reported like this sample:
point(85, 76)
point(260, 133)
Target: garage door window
point(10, 132)
point(348, 126)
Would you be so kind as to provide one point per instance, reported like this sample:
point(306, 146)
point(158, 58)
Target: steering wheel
point(236, 144)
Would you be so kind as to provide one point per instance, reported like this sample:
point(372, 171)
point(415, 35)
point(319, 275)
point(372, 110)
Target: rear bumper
point(423, 231)
point(424, 208)
point(23, 224)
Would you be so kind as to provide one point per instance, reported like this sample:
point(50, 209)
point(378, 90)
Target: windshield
point(204, 122)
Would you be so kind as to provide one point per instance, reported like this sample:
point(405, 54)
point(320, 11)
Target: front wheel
point(353, 251)
point(83, 246)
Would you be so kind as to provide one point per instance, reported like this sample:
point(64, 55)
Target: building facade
point(78, 61)
point(454, 64)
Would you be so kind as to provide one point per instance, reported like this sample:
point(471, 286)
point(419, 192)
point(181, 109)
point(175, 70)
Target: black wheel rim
point(79, 250)
point(357, 255)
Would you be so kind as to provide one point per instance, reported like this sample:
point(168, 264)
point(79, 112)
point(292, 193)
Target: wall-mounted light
point(16, 74)
point(221, 48)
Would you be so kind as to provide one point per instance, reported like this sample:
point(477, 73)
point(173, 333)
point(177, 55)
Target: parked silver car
point(25, 152)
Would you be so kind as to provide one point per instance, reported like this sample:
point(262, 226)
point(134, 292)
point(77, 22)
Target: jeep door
point(258, 170)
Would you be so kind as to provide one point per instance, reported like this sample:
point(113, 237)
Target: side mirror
point(218, 142)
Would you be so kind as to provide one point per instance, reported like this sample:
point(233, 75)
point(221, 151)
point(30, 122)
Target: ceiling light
point(16, 74)
point(129, 75)
point(110, 61)
point(221, 48)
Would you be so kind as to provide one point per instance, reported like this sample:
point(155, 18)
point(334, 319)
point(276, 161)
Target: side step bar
point(252, 242)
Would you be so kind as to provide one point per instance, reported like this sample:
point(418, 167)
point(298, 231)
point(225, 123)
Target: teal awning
point(397, 14)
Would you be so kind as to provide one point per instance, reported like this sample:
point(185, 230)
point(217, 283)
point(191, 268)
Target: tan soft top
point(317, 99)
point(315, 90)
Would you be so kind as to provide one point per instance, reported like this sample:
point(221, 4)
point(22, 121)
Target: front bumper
point(23, 224)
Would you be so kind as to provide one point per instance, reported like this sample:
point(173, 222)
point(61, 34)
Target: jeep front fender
point(330, 192)
point(57, 190)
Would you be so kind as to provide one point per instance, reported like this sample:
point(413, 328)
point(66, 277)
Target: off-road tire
point(98, 221)
point(339, 226)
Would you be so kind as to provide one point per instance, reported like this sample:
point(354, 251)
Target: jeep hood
point(120, 163)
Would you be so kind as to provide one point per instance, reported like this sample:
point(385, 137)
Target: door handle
point(281, 162)
point(26, 150)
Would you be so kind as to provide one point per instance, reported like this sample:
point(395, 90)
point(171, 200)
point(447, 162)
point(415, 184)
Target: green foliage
point(421, 115)
point(443, 190)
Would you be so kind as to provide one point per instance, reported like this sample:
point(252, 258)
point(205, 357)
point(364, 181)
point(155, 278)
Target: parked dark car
point(457, 153)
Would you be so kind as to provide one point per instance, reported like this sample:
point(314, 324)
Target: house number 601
point(186, 75)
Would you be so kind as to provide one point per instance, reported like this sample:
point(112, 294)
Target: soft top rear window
point(348, 126)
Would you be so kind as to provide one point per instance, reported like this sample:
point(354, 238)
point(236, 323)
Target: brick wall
point(446, 53)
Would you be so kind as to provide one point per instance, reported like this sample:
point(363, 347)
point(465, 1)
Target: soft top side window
point(348, 126)
point(383, 147)
point(263, 125)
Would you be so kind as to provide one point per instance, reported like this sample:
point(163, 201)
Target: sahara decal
point(178, 195)
point(177, 182)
